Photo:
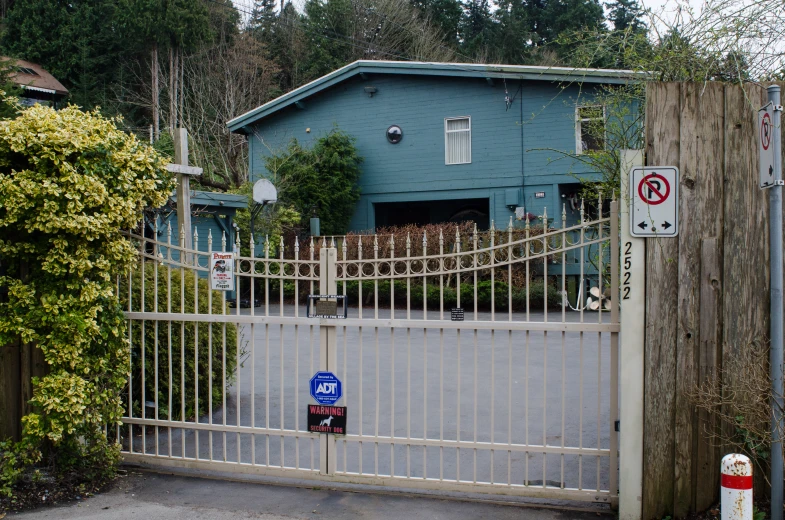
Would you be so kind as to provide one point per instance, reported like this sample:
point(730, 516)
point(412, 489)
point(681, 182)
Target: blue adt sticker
point(326, 388)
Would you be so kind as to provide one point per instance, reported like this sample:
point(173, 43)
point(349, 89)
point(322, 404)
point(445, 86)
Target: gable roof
point(31, 76)
point(466, 70)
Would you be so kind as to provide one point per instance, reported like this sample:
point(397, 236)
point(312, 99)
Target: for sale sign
point(222, 271)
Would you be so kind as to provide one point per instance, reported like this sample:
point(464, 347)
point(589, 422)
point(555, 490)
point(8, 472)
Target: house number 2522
point(626, 286)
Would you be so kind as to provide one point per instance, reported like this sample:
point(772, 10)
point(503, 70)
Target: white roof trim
point(39, 89)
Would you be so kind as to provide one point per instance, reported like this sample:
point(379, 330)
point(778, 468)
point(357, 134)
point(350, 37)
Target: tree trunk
point(156, 106)
point(171, 90)
point(182, 81)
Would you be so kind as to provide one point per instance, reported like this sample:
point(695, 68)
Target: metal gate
point(520, 398)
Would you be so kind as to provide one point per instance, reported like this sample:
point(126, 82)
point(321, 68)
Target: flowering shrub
point(69, 182)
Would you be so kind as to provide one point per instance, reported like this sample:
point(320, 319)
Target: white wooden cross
point(184, 173)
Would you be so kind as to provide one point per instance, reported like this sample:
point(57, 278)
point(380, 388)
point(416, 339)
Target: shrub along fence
point(177, 290)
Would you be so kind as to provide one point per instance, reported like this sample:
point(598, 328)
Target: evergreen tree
point(444, 16)
point(560, 16)
point(477, 27)
point(513, 40)
point(625, 14)
point(263, 18)
point(331, 42)
point(76, 41)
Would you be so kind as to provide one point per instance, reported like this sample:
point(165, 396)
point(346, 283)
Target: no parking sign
point(654, 201)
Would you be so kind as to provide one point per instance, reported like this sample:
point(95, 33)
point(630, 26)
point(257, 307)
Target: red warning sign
point(654, 189)
point(765, 131)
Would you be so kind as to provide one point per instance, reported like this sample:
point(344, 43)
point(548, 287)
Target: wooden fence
point(18, 365)
point(708, 290)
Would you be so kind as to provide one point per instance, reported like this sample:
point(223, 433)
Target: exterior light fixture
point(370, 91)
point(394, 134)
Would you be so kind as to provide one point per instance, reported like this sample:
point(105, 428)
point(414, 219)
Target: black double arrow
point(643, 225)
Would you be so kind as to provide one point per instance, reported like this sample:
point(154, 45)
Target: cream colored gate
point(519, 398)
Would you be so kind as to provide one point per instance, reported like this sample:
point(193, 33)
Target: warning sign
point(327, 419)
point(222, 271)
point(654, 201)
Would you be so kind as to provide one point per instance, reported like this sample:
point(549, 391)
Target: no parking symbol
point(654, 189)
point(654, 201)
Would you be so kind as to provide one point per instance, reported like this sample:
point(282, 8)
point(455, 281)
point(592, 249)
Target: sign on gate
point(654, 201)
point(327, 306)
point(327, 419)
point(326, 388)
point(222, 271)
point(765, 145)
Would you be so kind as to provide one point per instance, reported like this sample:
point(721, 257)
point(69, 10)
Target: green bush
point(450, 295)
point(183, 338)
point(69, 182)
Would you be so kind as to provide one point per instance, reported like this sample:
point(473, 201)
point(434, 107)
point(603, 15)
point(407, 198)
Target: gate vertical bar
point(328, 355)
point(614, 435)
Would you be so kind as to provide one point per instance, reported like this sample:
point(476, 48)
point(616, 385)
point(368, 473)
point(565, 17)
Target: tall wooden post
point(184, 173)
point(183, 186)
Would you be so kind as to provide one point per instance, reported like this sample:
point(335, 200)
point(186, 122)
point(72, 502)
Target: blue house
point(445, 141)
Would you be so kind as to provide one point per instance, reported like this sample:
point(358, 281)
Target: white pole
point(736, 490)
point(633, 306)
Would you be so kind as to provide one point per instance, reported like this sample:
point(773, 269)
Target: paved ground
point(524, 388)
point(150, 496)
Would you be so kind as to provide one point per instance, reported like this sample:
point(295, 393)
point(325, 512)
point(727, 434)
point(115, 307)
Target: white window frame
point(578, 124)
point(469, 130)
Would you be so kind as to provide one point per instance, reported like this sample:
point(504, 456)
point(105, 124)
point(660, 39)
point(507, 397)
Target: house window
point(590, 129)
point(458, 140)
point(27, 70)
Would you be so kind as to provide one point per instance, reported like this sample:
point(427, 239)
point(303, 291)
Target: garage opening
point(432, 212)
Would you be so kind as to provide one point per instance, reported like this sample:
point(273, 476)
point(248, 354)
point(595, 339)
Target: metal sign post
point(770, 144)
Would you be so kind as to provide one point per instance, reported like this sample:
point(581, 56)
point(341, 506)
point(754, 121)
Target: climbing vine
point(69, 182)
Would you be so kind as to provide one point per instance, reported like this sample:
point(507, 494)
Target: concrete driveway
point(150, 496)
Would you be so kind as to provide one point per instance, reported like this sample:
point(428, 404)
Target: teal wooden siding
point(512, 147)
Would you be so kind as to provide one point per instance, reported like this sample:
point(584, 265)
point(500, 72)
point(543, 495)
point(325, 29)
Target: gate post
point(328, 355)
point(633, 306)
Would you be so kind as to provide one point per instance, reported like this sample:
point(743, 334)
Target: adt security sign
point(326, 388)
point(654, 201)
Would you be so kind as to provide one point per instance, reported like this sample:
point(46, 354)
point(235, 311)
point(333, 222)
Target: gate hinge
point(617, 426)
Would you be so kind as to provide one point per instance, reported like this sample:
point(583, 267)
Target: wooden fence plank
point(662, 148)
point(10, 398)
point(745, 288)
point(707, 452)
point(700, 207)
point(690, 206)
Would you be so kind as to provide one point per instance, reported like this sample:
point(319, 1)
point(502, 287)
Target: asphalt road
point(526, 388)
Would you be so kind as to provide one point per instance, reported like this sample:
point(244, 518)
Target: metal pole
point(775, 223)
point(255, 211)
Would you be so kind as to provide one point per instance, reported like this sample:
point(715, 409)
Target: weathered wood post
point(184, 173)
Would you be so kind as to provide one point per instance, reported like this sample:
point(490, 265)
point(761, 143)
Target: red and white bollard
point(736, 491)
